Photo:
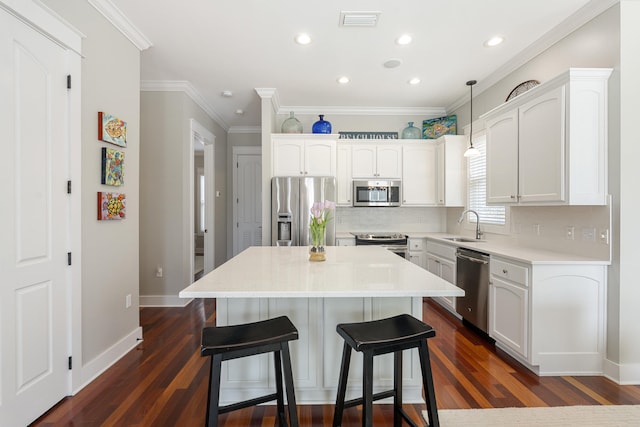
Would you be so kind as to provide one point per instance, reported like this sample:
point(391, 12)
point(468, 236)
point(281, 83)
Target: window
point(201, 200)
point(493, 216)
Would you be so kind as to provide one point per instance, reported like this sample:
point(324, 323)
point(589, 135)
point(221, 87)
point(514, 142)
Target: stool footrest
point(405, 416)
point(376, 396)
point(247, 403)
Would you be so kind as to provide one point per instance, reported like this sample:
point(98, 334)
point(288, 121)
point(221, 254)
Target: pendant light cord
point(470, 83)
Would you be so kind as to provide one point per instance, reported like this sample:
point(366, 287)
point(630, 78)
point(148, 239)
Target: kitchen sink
point(462, 239)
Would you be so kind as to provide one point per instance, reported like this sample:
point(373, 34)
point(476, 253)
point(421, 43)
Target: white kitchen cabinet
point(296, 155)
point(346, 241)
point(419, 180)
point(549, 145)
point(509, 305)
point(343, 176)
point(550, 317)
point(451, 170)
point(379, 160)
point(441, 261)
point(417, 253)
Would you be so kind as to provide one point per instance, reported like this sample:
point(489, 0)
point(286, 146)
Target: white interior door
point(247, 211)
point(34, 223)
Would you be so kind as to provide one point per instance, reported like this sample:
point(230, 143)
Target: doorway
point(202, 183)
point(247, 193)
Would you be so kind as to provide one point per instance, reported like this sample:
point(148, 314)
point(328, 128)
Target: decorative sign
point(368, 135)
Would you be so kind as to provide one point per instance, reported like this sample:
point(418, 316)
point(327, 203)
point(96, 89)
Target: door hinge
point(237, 225)
point(68, 81)
point(68, 258)
point(70, 362)
point(69, 187)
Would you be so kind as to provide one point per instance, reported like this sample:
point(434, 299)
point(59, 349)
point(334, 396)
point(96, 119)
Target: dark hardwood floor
point(163, 382)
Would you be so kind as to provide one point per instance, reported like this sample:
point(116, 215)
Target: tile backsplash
point(390, 219)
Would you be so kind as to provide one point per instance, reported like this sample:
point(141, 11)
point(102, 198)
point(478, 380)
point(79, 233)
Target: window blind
point(478, 188)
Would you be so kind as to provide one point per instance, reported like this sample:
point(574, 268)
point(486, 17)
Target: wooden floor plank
point(163, 382)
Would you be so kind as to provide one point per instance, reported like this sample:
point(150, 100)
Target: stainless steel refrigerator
point(291, 201)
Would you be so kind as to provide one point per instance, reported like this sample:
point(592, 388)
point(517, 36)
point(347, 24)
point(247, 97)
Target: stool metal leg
point(282, 418)
point(342, 385)
point(427, 381)
point(213, 397)
point(288, 383)
point(367, 392)
point(397, 387)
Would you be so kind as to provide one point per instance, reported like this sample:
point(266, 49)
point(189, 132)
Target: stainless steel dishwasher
point(472, 275)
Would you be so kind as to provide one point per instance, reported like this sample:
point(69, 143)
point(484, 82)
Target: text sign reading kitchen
point(376, 192)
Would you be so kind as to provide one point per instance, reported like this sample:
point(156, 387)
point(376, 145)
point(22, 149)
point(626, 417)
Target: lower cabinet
point(441, 261)
point(509, 305)
point(550, 317)
point(416, 252)
point(345, 241)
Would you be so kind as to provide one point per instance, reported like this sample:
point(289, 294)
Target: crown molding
point(365, 111)
point(272, 93)
point(186, 87)
point(560, 31)
point(245, 129)
point(114, 15)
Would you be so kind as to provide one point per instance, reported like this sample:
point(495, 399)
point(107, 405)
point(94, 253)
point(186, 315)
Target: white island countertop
point(349, 271)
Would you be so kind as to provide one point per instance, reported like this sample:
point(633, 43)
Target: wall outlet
point(158, 271)
point(127, 301)
point(570, 232)
point(589, 234)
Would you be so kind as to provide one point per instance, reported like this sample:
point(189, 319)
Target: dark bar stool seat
point(232, 342)
point(391, 335)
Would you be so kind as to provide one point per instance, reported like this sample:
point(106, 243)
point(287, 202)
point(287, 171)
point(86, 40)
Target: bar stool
point(232, 342)
point(390, 335)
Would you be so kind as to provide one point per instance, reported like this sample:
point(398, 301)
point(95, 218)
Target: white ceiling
point(241, 45)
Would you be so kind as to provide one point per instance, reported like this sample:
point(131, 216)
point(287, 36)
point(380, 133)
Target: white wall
point(165, 234)
point(109, 248)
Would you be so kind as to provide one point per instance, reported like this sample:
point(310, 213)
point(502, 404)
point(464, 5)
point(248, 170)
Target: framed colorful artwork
point(112, 130)
point(112, 167)
point(435, 128)
point(111, 206)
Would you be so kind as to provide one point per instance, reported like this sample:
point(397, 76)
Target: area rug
point(565, 416)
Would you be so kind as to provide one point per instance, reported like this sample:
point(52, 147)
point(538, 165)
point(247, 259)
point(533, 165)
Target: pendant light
point(471, 151)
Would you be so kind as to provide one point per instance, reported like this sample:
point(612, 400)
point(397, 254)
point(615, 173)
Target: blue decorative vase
point(321, 126)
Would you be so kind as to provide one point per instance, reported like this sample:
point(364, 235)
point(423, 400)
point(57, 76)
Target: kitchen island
point(354, 284)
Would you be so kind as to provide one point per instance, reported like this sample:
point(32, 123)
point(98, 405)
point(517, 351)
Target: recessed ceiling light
point(404, 39)
point(239, 112)
point(303, 38)
point(343, 80)
point(392, 63)
point(227, 93)
point(414, 81)
point(494, 41)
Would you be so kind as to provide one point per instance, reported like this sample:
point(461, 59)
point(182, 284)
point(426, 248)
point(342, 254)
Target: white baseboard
point(92, 369)
point(163, 301)
point(627, 374)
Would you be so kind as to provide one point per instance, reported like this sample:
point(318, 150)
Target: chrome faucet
point(478, 232)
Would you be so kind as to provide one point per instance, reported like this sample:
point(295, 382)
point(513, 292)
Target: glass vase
point(291, 125)
point(317, 234)
point(411, 132)
point(321, 126)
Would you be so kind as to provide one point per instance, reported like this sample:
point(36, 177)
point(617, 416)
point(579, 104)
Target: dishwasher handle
point(476, 260)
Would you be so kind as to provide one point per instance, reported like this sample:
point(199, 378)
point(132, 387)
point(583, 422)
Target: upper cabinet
point(295, 155)
point(548, 146)
point(451, 170)
point(382, 160)
point(343, 177)
point(419, 181)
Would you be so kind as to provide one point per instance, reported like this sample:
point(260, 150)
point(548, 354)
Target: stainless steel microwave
point(376, 192)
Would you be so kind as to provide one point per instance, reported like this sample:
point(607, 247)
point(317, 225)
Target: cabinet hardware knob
point(505, 271)
point(512, 196)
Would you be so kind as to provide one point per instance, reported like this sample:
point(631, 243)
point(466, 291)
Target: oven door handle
point(476, 260)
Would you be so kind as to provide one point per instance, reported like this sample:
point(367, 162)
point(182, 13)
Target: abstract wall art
point(112, 129)
point(112, 167)
point(111, 206)
point(435, 128)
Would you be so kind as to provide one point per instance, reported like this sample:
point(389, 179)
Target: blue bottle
point(321, 126)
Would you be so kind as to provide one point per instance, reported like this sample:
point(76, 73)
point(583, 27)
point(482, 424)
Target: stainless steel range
point(395, 242)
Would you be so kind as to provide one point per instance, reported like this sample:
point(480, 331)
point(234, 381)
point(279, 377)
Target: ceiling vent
point(359, 19)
